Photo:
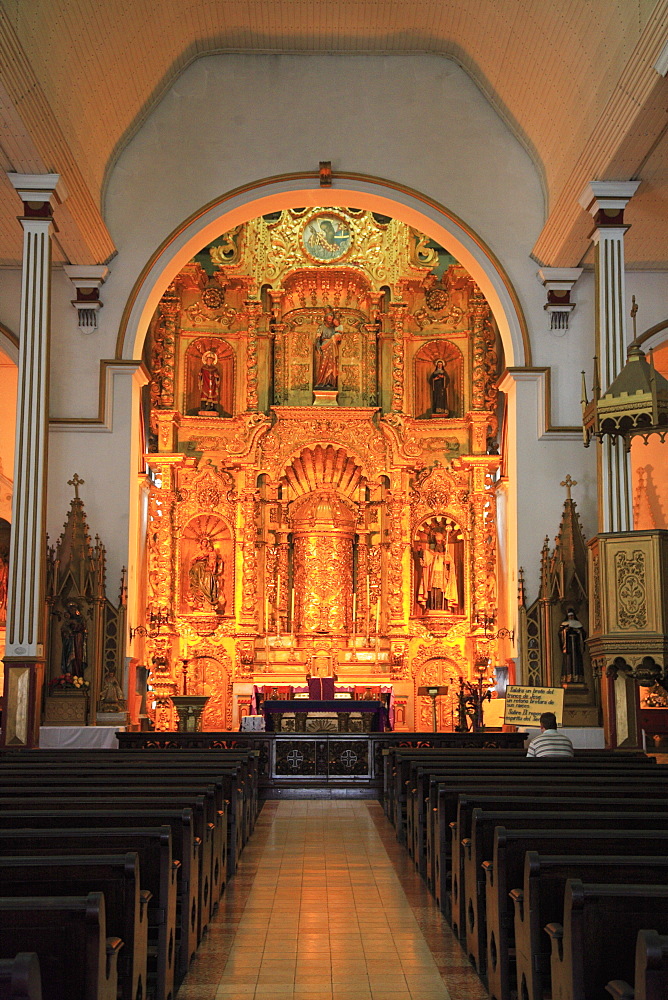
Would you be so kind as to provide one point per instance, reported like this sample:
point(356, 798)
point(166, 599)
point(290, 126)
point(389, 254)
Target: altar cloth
point(65, 737)
point(335, 706)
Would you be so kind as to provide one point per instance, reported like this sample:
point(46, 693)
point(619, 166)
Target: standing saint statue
point(572, 634)
point(327, 342)
point(439, 381)
point(206, 578)
point(208, 381)
point(74, 639)
point(438, 589)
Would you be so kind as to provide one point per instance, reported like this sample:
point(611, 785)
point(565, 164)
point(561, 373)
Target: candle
point(278, 606)
point(354, 613)
point(377, 614)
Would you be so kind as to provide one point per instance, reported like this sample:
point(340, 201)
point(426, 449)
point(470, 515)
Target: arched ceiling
point(574, 79)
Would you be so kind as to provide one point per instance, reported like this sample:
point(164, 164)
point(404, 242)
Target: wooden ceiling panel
point(548, 66)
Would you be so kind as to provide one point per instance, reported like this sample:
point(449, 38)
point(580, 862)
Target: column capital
point(40, 193)
point(610, 197)
point(559, 281)
point(87, 279)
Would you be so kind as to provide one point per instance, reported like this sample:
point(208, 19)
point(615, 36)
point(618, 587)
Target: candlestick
point(368, 609)
point(278, 606)
point(354, 614)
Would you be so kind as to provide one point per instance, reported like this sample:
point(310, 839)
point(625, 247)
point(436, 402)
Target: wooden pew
point(398, 763)
point(651, 970)
point(238, 771)
point(641, 856)
point(142, 788)
point(153, 846)
point(481, 845)
point(117, 876)
point(153, 805)
point(185, 846)
point(68, 934)
point(423, 778)
point(20, 977)
point(594, 913)
point(579, 798)
point(515, 780)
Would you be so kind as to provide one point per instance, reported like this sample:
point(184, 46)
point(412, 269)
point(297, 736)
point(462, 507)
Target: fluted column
point(24, 660)
point(606, 201)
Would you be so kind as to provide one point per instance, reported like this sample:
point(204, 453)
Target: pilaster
point(24, 671)
point(606, 201)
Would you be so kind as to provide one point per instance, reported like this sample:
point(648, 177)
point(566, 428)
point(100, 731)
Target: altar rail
point(299, 765)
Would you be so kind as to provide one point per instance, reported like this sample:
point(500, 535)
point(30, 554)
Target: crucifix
point(76, 483)
point(569, 483)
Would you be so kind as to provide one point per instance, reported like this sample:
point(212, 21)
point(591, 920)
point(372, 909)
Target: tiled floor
point(327, 906)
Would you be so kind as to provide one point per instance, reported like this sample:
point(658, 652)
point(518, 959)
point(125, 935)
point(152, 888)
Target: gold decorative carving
point(323, 528)
point(631, 589)
point(249, 597)
point(398, 317)
point(163, 340)
point(245, 661)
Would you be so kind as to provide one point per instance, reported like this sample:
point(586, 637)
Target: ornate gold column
point(398, 316)
point(24, 662)
point(253, 310)
point(248, 500)
point(323, 531)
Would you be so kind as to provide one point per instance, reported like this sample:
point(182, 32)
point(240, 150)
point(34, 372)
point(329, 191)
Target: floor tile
point(326, 905)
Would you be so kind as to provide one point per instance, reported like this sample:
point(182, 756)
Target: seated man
point(550, 743)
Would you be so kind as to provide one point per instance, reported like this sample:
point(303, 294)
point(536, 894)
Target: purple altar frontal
point(308, 715)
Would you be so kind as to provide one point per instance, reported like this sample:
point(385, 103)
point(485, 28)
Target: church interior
point(333, 417)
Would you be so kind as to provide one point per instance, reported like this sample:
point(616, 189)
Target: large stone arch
point(375, 194)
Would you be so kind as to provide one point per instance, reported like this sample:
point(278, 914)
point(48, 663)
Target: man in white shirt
point(550, 743)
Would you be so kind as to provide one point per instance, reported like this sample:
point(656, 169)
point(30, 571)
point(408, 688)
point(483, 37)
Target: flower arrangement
point(71, 681)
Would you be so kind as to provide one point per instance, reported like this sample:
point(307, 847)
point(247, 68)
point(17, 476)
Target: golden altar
point(323, 457)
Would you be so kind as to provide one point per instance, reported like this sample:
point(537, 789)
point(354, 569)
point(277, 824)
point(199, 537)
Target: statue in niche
point(327, 342)
point(439, 382)
point(206, 578)
point(208, 381)
point(572, 635)
point(111, 695)
point(438, 590)
point(74, 637)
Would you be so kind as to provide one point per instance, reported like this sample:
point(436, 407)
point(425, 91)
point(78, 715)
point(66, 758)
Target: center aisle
point(325, 904)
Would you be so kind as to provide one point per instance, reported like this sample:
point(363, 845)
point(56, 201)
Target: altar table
point(338, 715)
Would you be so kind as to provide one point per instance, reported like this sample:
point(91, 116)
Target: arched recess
point(371, 193)
point(441, 667)
point(269, 195)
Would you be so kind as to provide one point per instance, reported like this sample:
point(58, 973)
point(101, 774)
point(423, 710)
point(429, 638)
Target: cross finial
point(569, 483)
point(76, 483)
point(634, 313)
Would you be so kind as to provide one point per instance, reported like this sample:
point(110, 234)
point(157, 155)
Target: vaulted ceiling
point(574, 79)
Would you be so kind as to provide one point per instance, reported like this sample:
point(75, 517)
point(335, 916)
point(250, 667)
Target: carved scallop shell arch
point(323, 468)
point(356, 432)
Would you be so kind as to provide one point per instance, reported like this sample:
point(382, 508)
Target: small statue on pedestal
point(572, 634)
point(439, 381)
point(208, 381)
